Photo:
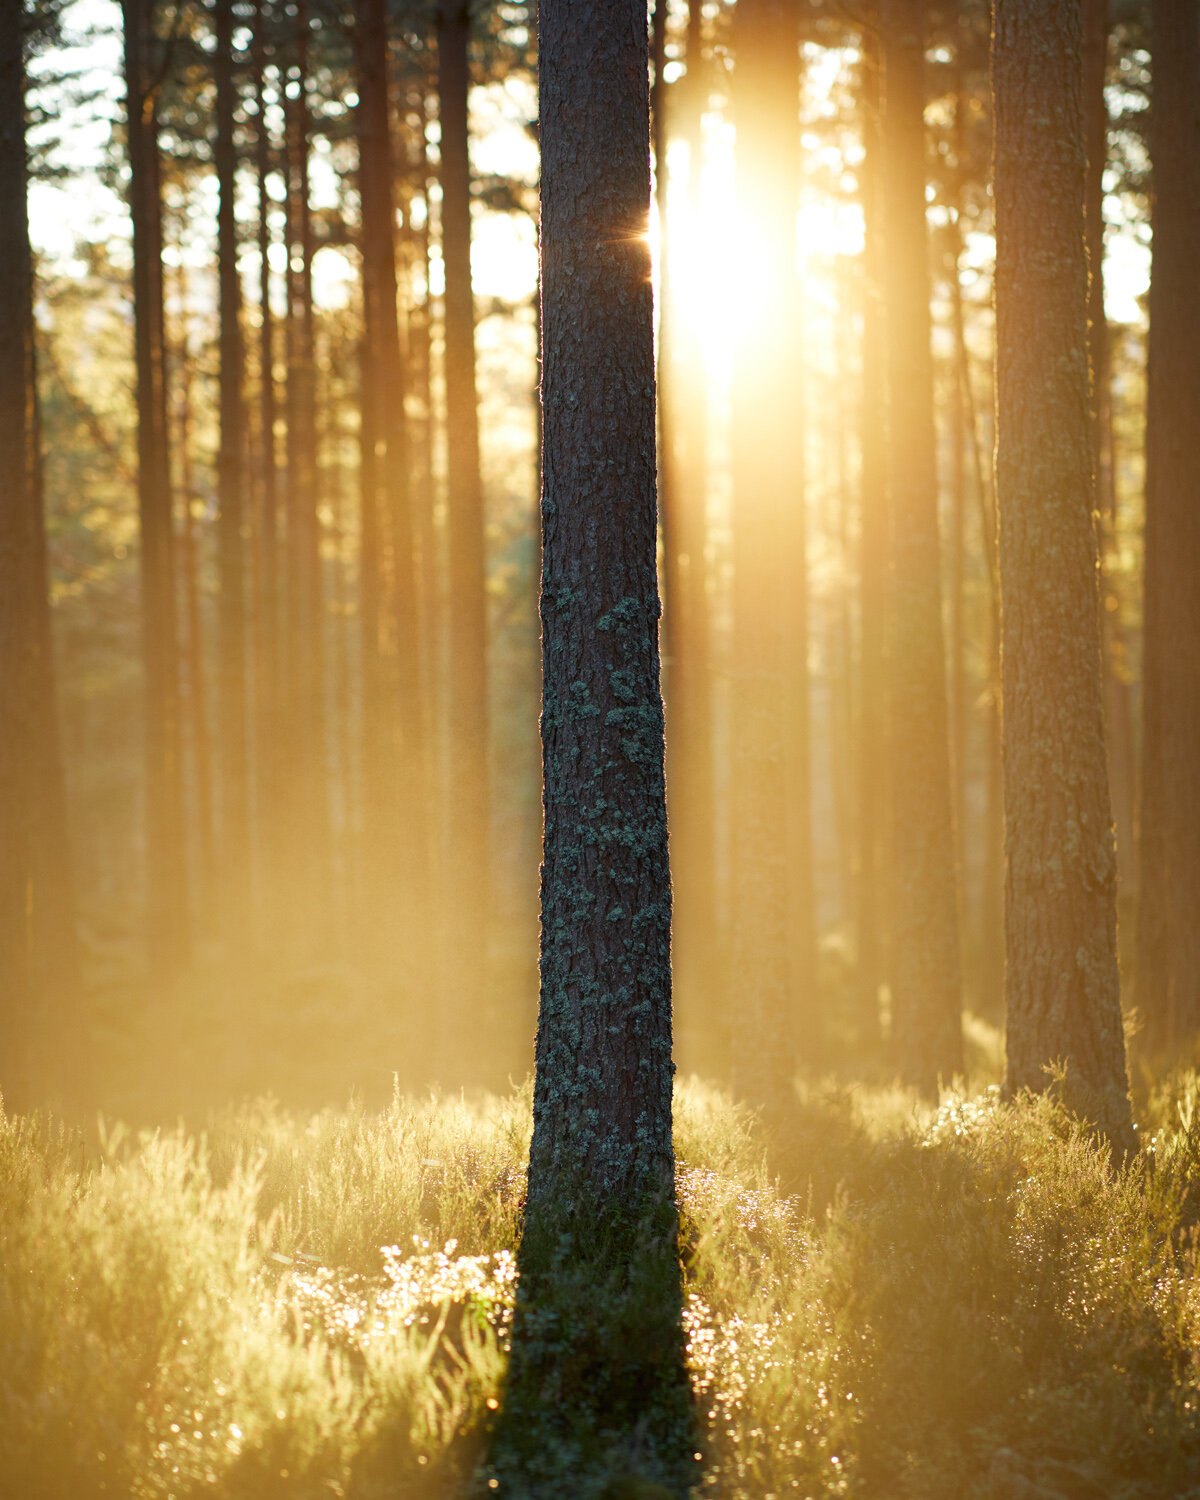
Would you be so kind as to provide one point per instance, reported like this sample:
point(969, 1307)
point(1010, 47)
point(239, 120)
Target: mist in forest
point(288, 412)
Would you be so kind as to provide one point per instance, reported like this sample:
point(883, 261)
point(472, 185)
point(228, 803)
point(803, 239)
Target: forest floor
point(883, 1299)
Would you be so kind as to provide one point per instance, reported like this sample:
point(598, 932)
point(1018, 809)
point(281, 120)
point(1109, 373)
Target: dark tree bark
point(597, 1383)
point(1169, 857)
point(1062, 985)
point(231, 478)
point(395, 755)
point(925, 978)
point(774, 944)
point(39, 1048)
point(166, 872)
point(467, 813)
point(682, 401)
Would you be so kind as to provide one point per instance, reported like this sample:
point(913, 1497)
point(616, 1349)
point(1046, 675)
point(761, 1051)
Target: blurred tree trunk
point(395, 755)
point(1118, 710)
point(870, 923)
point(1168, 933)
point(774, 957)
point(192, 652)
point(991, 928)
point(41, 1049)
point(168, 927)
point(597, 1384)
point(269, 725)
point(236, 884)
point(925, 974)
point(1062, 983)
point(682, 403)
point(467, 811)
point(307, 816)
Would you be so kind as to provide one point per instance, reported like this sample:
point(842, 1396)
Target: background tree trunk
point(231, 478)
point(168, 928)
point(468, 811)
point(925, 975)
point(1168, 933)
point(1062, 985)
point(395, 755)
point(774, 944)
point(41, 1050)
point(870, 914)
point(682, 401)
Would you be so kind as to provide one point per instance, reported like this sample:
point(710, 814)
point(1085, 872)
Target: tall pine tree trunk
point(231, 482)
point(1118, 710)
point(925, 976)
point(468, 805)
point(395, 759)
point(41, 1050)
point(306, 819)
point(774, 963)
point(1062, 985)
point(682, 400)
point(597, 1387)
point(874, 525)
point(166, 871)
point(269, 723)
point(1168, 933)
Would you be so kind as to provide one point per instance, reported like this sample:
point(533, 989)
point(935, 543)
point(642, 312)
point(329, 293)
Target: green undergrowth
point(881, 1300)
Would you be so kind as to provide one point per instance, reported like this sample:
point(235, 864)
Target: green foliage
point(880, 1300)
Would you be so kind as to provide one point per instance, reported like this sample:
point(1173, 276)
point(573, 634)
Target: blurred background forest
point(286, 325)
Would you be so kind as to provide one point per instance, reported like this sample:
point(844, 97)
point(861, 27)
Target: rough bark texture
point(772, 901)
point(597, 1385)
point(166, 877)
point(1168, 932)
point(925, 980)
point(1062, 985)
point(231, 478)
point(468, 809)
point(38, 965)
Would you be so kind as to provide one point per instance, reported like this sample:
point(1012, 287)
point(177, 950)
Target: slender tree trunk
point(960, 713)
point(773, 966)
point(1168, 933)
point(231, 480)
point(269, 724)
point(192, 655)
point(396, 757)
point(1062, 984)
point(925, 979)
point(991, 931)
point(1118, 711)
point(307, 817)
point(40, 1045)
point(682, 502)
point(468, 810)
point(166, 870)
point(873, 554)
point(597, 1385)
